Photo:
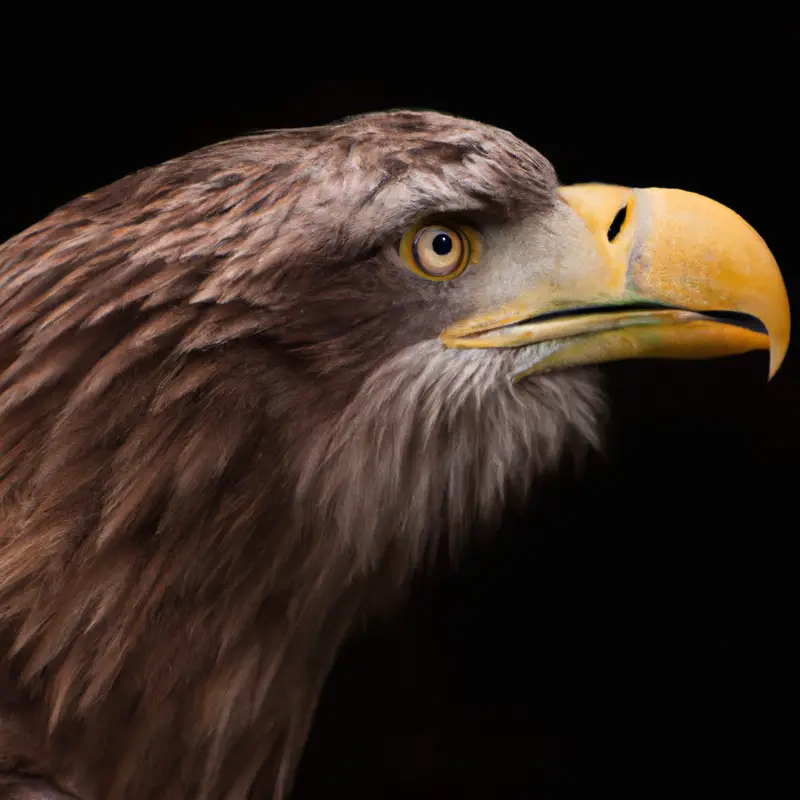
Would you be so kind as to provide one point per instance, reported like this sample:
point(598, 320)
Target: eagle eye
point(438, 252)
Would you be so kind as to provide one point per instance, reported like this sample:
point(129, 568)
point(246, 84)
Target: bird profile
point(246, 393)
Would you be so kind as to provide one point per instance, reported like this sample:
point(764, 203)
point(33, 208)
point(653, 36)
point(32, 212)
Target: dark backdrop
point(632, 633)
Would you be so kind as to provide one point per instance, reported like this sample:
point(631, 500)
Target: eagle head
point(245, 392)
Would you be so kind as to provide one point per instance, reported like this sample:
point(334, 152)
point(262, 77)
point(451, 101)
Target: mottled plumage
point(228, 431)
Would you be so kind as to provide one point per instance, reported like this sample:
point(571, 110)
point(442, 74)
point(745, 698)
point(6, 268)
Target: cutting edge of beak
point(683, 277)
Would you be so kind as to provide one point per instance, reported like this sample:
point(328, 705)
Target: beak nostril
point(617, 223)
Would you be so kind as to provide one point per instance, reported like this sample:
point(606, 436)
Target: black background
point(632, 634)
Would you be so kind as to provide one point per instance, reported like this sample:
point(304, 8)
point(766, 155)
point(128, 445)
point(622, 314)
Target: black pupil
point(442, 244)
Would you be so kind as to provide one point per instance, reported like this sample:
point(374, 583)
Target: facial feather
point(434, 441)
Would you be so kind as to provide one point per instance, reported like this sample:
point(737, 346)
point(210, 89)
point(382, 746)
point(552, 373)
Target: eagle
point(247, 393)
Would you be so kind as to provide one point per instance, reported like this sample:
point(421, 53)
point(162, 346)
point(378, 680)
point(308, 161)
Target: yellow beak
point(668, 274)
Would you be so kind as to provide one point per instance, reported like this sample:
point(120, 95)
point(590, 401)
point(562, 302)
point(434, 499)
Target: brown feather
point(227, 432)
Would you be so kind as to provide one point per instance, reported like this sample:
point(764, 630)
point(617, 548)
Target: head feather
point(227, 429)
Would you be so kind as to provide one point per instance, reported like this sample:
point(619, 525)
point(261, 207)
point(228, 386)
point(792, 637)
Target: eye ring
point(438, 252)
